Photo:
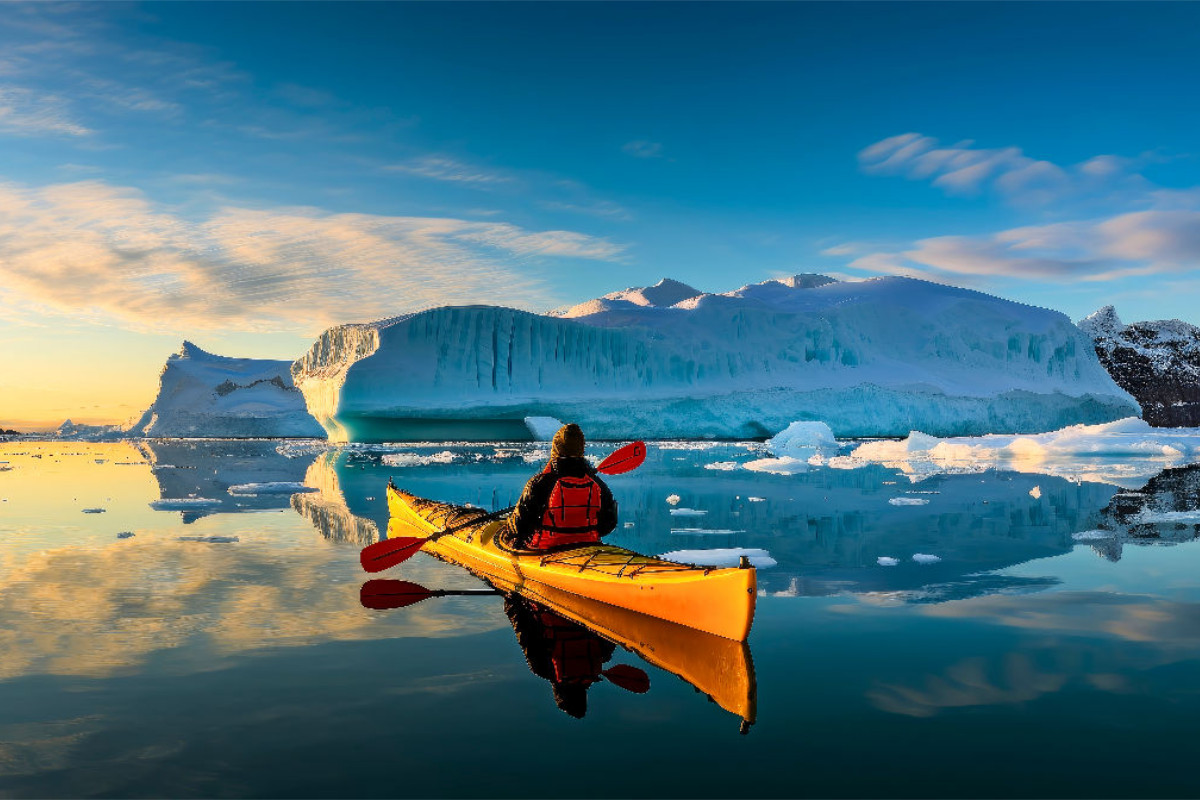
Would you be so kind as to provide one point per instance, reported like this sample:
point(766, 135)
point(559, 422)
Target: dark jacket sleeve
point(606, 518)
point(531, 507)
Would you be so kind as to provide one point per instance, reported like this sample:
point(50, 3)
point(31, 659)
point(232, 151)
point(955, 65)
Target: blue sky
point(245, 175)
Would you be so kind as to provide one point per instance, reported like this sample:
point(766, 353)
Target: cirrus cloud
point(108, 252)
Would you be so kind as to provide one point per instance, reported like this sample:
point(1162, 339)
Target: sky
point(245, 175)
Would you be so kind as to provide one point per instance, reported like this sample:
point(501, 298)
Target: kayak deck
point(715, 600)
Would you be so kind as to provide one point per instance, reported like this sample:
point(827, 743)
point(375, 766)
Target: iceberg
point(203, 395)
point(878, 357)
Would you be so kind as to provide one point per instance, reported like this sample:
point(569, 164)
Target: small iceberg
point(908, 501)
point(887, 561)
point(925, 558)
point(183, 503)
point(415, 460)
point(271, 487)
point(722, 557)
point(94, 510)
point(209, 539)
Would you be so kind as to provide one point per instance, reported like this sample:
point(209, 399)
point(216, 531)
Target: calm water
point(179, 662)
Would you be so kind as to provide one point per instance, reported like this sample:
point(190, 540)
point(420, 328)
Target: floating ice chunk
point(756, 499)
point(1035, 492)
point(909, 501)
point(543, 428)
point(925, 558)
point(125, 535)
point(417, 460)
point(93, 510)
point(727, 557)
point(687, 512)
point(1092, 536)
point(271, 487)
point(673, 499)
point(887, 561)
point(628, 524)
point(302, 449)
point(803, 440)
point(722, 466)
point(704, 531)
point(183, 503)
point(1149, 516)
point(1115, 452)
point(209, 539)
point(778, 466)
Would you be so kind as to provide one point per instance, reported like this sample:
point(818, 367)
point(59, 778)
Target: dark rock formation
point(1156, 362)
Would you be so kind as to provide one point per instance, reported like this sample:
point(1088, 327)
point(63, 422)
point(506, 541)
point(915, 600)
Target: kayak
point(715, 600)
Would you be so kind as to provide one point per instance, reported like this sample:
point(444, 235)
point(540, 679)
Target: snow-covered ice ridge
point(1158, 362)
point(879, 357)
point(206, 395)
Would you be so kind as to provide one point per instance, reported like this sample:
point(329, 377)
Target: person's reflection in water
point(558, 650)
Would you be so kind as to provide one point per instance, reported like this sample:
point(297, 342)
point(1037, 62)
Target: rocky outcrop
point(1157, 362)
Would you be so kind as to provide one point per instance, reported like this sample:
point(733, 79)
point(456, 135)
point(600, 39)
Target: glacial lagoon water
point(160, 636)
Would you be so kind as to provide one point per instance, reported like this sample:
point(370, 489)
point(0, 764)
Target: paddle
point(390, 552)
point(629, 678)
point(383, 594)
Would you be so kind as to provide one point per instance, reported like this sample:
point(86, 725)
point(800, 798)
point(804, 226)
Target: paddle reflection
point(569, 641)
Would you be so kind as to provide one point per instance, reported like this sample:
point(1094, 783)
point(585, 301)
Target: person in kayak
point(567, 504)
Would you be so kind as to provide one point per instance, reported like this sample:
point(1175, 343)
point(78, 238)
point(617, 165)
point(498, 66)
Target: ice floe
point(1124, 453)
point(722, 557)
point(418, 460)
point(183, 503)
point(271, 487)
point(687, 512)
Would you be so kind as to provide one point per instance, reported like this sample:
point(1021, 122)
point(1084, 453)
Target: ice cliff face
point(205, 395)
point(1156, 362)
point(871, 358)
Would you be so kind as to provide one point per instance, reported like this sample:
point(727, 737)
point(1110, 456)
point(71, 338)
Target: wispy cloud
point(1137, 243)
point(643, 149)
point(104, 251)
point(1142, 228)
point(963, 169)
point(28, 113)
point(442, 168)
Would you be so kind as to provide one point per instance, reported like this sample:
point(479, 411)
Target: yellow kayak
point(715, 600)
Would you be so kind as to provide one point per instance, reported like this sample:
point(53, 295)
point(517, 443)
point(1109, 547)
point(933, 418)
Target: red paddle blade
point(384, 594)
point(628, 678)
point(388, 553)
point(624, 459)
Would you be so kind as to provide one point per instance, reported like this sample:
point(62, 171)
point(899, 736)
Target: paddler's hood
point(571, 466)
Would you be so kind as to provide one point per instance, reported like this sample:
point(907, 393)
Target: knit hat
point(567, 442)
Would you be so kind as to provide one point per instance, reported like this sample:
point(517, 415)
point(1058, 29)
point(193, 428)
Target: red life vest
point(571, 515)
